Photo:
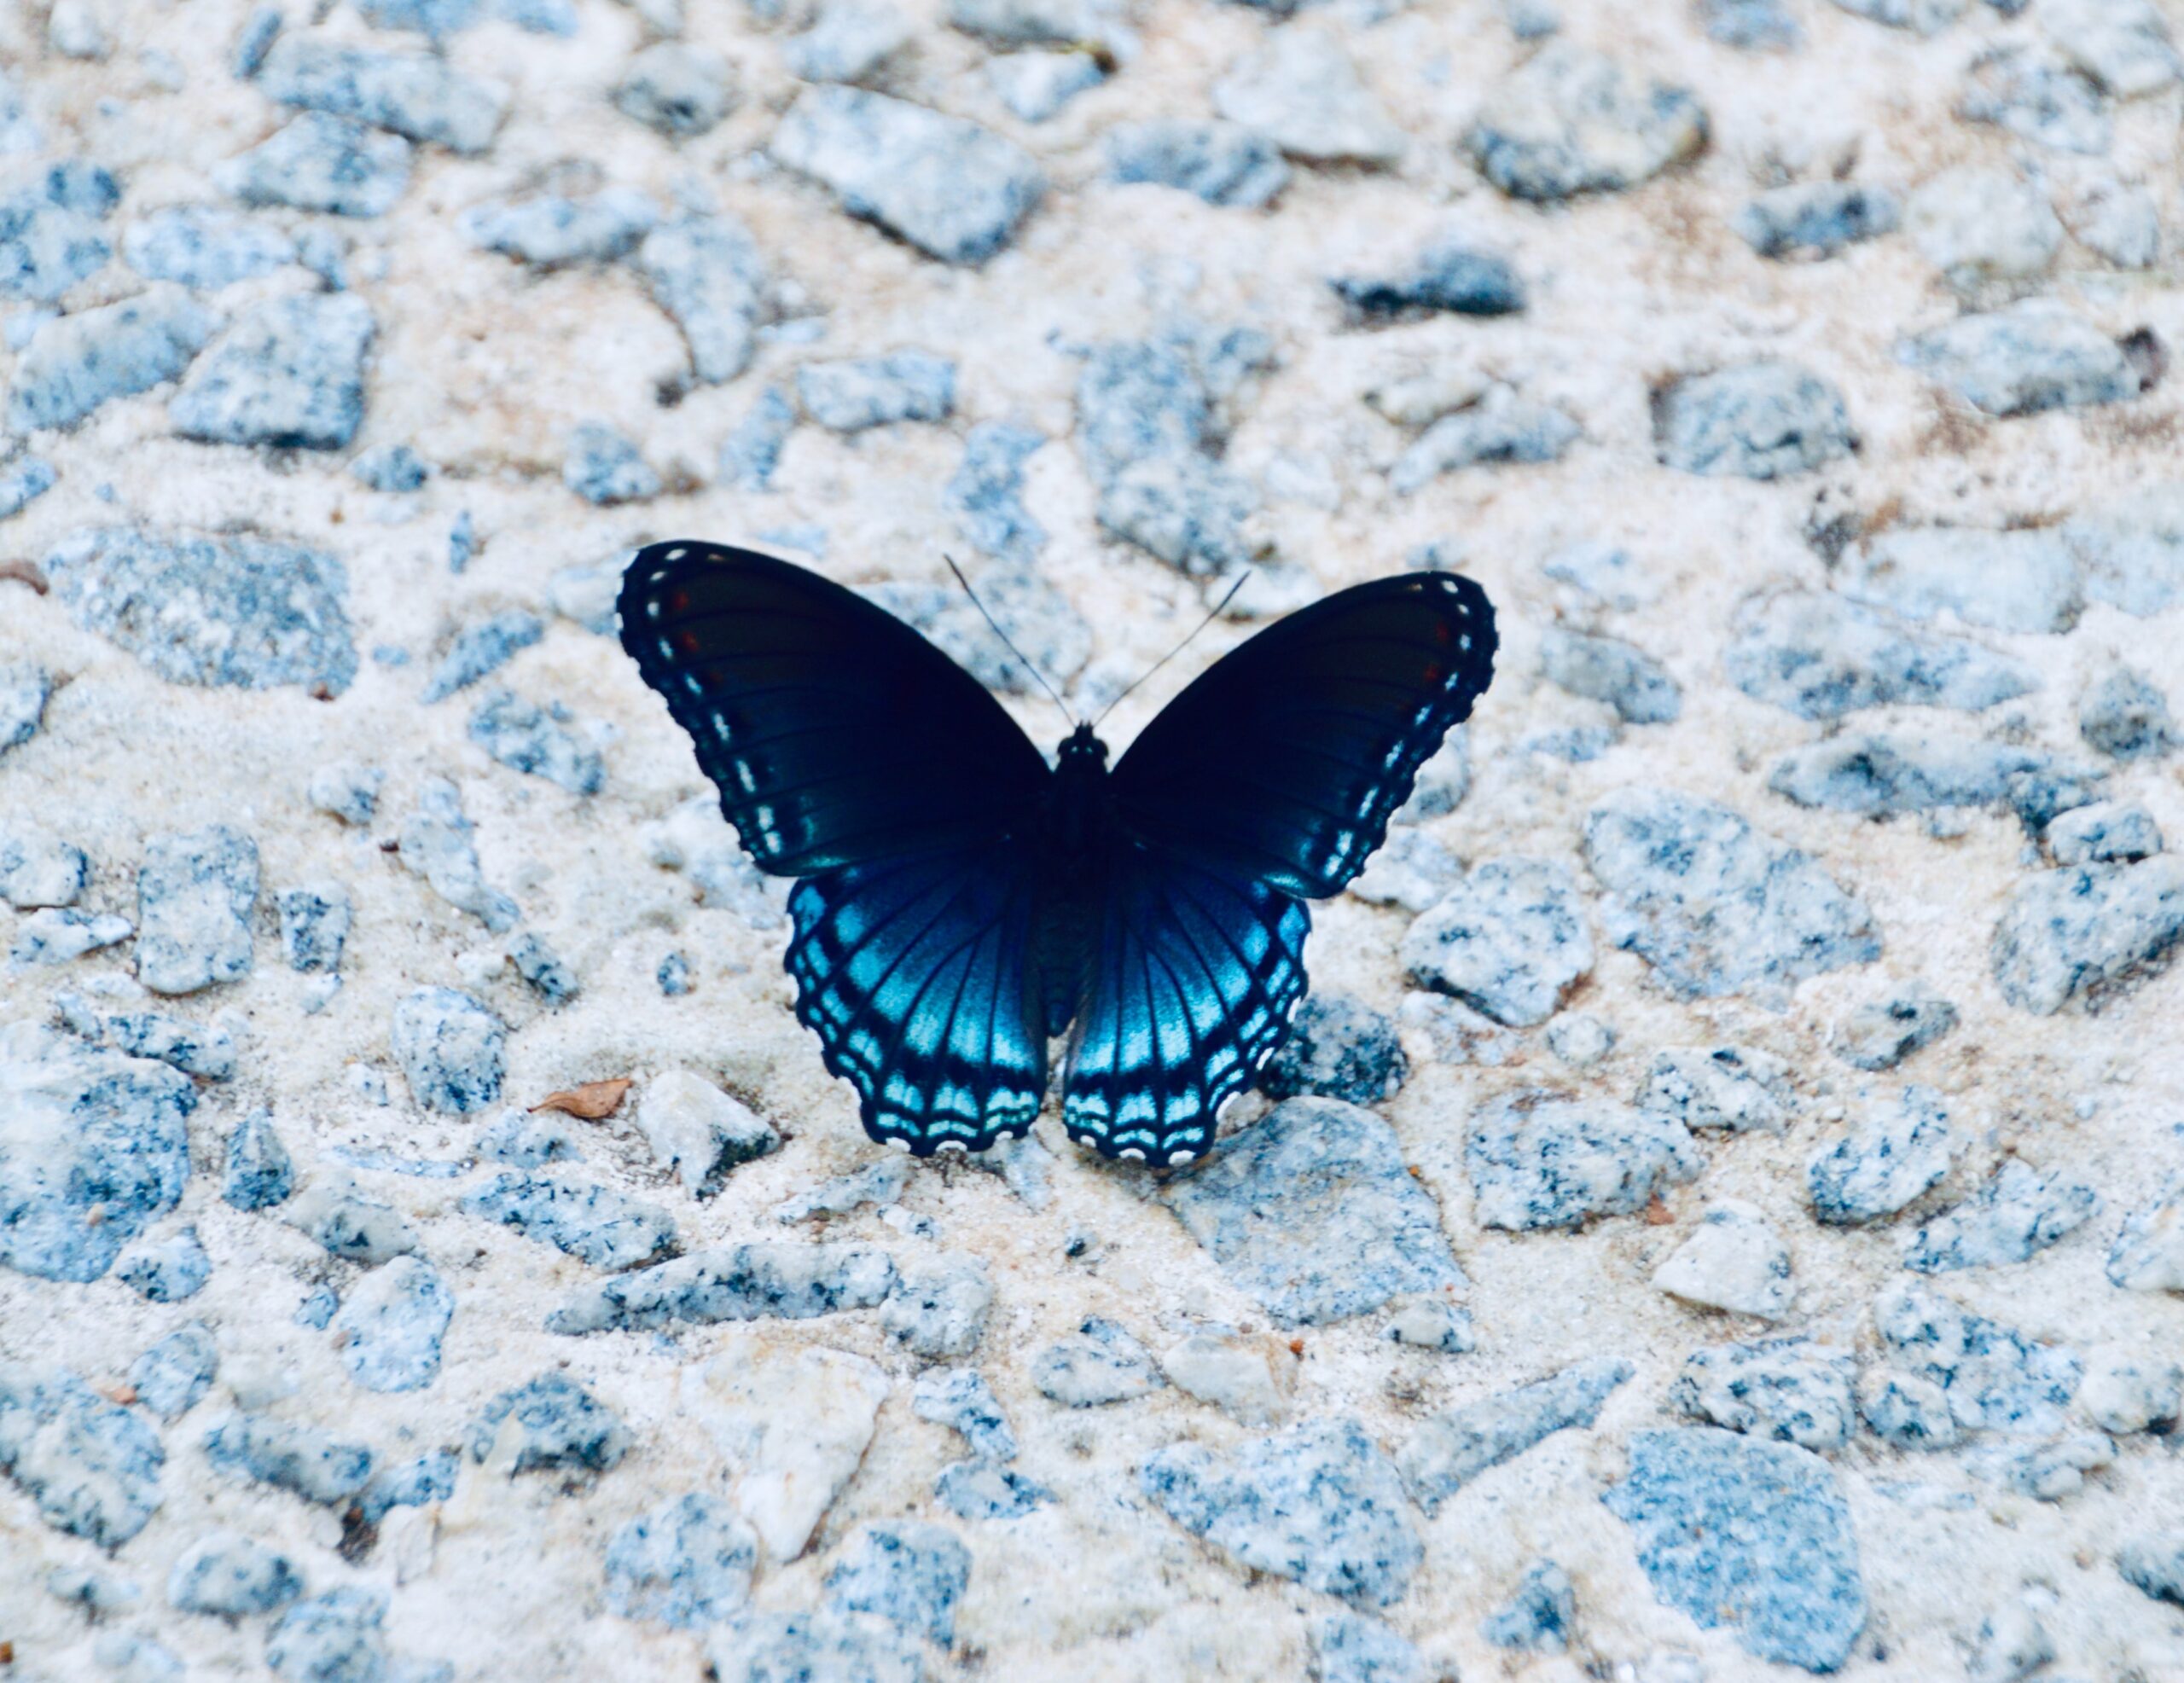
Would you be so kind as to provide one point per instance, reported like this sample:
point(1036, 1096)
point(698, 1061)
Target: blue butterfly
point(960, 902)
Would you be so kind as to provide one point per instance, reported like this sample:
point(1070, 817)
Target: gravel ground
point(1721, 1214)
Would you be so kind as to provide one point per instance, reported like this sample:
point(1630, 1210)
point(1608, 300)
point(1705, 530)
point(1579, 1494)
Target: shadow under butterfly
point(960, 902)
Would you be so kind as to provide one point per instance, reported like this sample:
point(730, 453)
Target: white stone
point(1734, 1260)
point(2125, 1392)
point(699, 1131)
point(1983, 227)
point(1242, 1375)
point(1302, 92)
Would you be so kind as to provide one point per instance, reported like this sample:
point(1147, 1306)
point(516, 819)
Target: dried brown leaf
point(591, 1101)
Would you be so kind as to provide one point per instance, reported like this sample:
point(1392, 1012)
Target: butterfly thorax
point(1077, 841)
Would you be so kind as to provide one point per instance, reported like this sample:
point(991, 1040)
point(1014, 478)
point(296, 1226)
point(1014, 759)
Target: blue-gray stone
point(1820, 657)
point(1338, 1047)
point(482, 649)
point(1994, 1377)
point(528, 1140)
point(959, 1399)
point(195, 892)
point(291, 374)
point(1055, 640)
point(195, 1048)
point(2030, 95)
point(2153, 1563)
point(595, 1224)
point(686, 1562)
point(311, 1463)
point(436, 843)
point(909, 1573)
point(542, 969)
point(1882, 1033)
point(94, 1592)
point(420, 1483)
point(826, 1643)
point(231, 1576)
point(77, 362)
point(338, 1216)
point(38, 870)
point(1538, 1159)
point(1449, 1450)
point(416, 95)
point(1816, 220)
point(1713, 906)
point(91, 1468)
point(391, 1324)
point(1751, 1535)
point(556, 1423)
point(1610, 670)
point(1313, 1211)
point(2017, 1214)
point(392, 467)
point(1751, 25)
point(1353, 1649)
point(24, 692)
point(2124, 714)
point(550, 230)
point(1035, 85)
point(259, 1172)
point(752, 450)
point(676, 89)
point(850, 396)
point(1572, 121)
point(1789, 1390)
point(435, 18)
point(461, 541)
point(604, 467)
point(113, 1151)
point(315, 921)
point(1104, 1363)
point(1451, 274)
point(1501, 427)
point(450, 1049)
point(976, 1490)
point(259, 30)
point(211, 611)
point(23, 480)
point(706, 273)
point(528, 738)
point(2085, 930)
point(1875, 773)
point(2107, 833)
point(49, 233)
point(1757, 421)
point(951, 188)
point(987, 492)
point(56, 936)
point(332, 1637)
point(317, 1309)
point(1540, 1617)
point(764, 1280)
point(1222, 163)
point(321, 163)
point(204, 247)
point(674, 976)
point(939, 1307)
point(172, 1271)
point(2035, 355)
point(174, 1375)
point(1319, 1505)
point(850, 41)
point(1890, 1158)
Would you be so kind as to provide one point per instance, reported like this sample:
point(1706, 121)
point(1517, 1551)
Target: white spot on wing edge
point(898, 1144)
point(1177, 1159)
point(1132, 1154)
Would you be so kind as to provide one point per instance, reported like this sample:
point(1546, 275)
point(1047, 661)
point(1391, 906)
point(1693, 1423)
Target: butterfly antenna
point(1228, 596)
point(1023, 660)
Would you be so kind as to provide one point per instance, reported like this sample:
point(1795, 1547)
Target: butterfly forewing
point(834, 733)
point(1286, 759)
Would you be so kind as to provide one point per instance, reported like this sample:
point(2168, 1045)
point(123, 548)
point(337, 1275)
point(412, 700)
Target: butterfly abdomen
point(1077, 836)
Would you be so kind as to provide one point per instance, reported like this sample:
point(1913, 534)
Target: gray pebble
point(676, 89)
point(427, 1479)
point(2132, 549)
point(92, 1469)
point(1337, 1048)
point(1906, 1412)
point(2033, 357)
point(939, 1308)
point(1607, 670)
point(550, 1423)
point(1541, 1617)
point(289, 374)
point(1351, 1648)
point(825, 1643)
point(550, 230)
point(1713, 905)
point(1996, 1378)
point(1501, 427)
point(1319, 1505)
point(56, 937)
point(1184, 509)
point(882, 1182)
point(849, 41)
point(1301, 90)
point(1411, 869)
point(1787, 1390)
point(50, 237)
point(259, 1172)
point(172, 1376)
point(1031, 23)
point(1820, 657)
point(1035, 85)
point(1538, 1159)
point(700, 1132)
point(482, 649)
point(205, 248)
point(317, 1309)
point(1581, 1041)
point(952, 190)
point(604, 467)
point(1510, 940)
point(24, 691)
point(1920, 17)
point(1313, 1212)
point(959, 1399)
point(2016, 1215)
point(314, 925)
point(173, 1270)
point(851, 395)
point(752, 450)
point(527, 739)
point(1573, 120)
point(321, 163)
point(2123, 45)
point(2122, 223)
point(1893, 1155)
point(981, 1490)
point(392, 467)
point(231, 1576)
point(2086, 930)
point(390, 1326)
point(23, 480)
point(686, 1564)
point(2027, 94)
point(2047, 1472)
point(909, 1573)
point(1451, 275)
point(311, 1463)
point(1882, 1033)
point(595, 1224)
point(1755, 421)
point(1433, 1324)
point(195, 896)
point(741, 1282)
point(346, 790)
point(986, 493)
point(1988, 230)
point(706, 273)
point(1757, 1535)
point(542, 970)
point(2125, 717)
point(450, 1048)
point(38, 870)
point(1449, 1450)
point(528, 1140)
point(1816, 220)
point(2153, 1562)
point(1222, 163)
point(349, 1225)
point(1104, 1364)
point(1735, 1089)
point(333, 1637)
point(2023, 581)
point(419, 97)
point(2107, 833)
point(77, 363)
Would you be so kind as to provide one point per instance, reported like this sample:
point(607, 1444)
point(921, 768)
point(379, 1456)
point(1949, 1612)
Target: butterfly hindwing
point(1286, 759)
point(916, 976)
point(1194, 974)
point(835, 733)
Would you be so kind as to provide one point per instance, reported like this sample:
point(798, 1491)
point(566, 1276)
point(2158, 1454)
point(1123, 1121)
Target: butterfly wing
point(835, 733)
point(916, 975)
point(1284, 760)
point(1193, 977)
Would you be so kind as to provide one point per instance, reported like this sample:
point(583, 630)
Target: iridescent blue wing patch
point(1193, 975)
point(916, 976)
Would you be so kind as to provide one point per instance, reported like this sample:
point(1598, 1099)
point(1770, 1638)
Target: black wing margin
point(1286, 758)
point(835, 733)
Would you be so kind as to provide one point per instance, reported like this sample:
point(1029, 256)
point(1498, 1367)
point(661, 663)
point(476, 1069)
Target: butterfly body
point(960, 902)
